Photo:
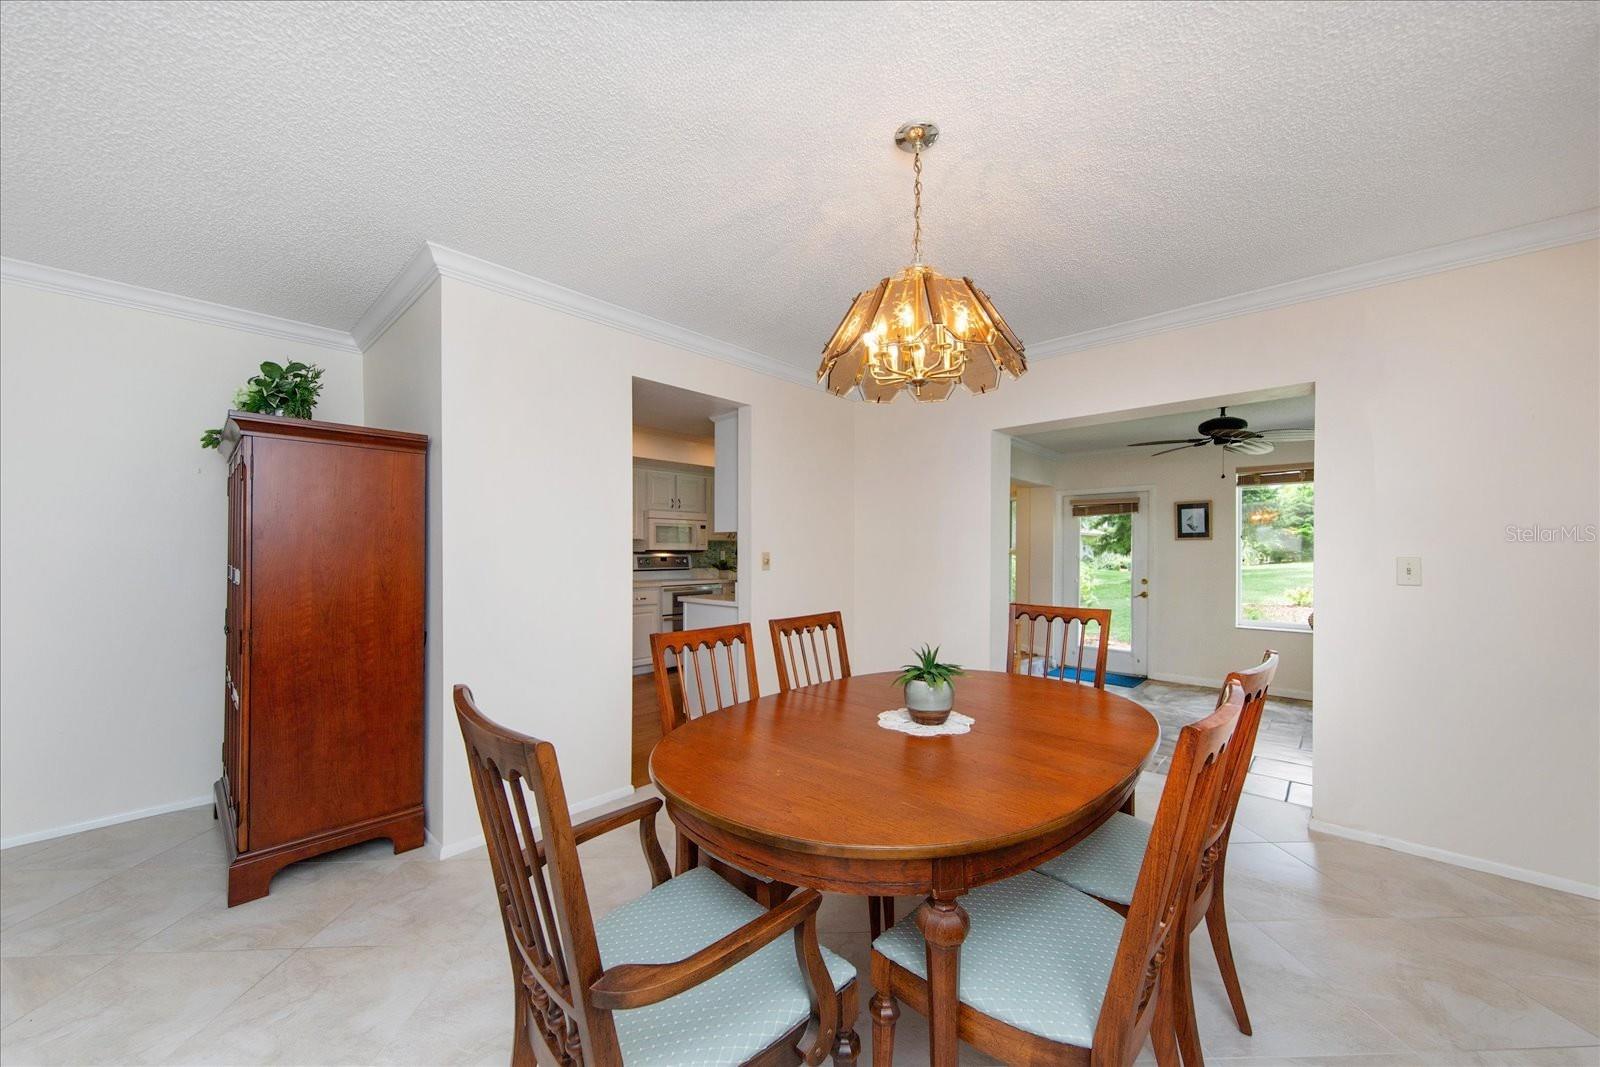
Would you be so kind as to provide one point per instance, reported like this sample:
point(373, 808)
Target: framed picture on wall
point(1194, 520)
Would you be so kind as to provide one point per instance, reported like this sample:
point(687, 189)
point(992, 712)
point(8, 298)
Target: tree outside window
point(1277, 541)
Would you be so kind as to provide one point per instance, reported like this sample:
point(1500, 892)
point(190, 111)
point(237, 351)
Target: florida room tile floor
point(117, 948)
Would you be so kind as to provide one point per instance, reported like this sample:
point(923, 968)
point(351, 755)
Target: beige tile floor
point(116, 947)
point(1281, 765)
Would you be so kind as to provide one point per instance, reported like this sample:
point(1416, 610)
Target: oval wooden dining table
point(805, 787)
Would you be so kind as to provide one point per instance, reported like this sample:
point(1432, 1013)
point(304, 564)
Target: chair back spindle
point(1032, 637)
point(809, 649)
point(710, 663)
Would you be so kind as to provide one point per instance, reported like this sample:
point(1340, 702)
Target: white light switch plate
point(1408, 570)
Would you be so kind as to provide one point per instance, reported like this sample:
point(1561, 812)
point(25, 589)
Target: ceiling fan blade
point(1174, 441)
point(1180, 448)
point(1249, 446)
point(1289, 435)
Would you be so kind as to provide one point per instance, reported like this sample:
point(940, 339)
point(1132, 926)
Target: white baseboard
point(106, 820)
point(456, 848)
point(442, 852)
point(1216, 683)
point(1456, 859)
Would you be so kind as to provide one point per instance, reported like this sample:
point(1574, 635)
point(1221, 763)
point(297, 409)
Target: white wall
point(1461, 716)
point(114, 523)
point(673, 448)
point(539, 471)
point(1190, 615)
point(401, 391)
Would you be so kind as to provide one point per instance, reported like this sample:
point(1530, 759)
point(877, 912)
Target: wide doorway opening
point(1194, 525)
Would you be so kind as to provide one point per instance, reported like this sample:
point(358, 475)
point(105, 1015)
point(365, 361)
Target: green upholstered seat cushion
point(1038, 955)
point(727, 1019)
point(1106, 863)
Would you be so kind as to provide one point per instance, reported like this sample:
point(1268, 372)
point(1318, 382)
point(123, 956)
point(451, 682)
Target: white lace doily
point(900, 719)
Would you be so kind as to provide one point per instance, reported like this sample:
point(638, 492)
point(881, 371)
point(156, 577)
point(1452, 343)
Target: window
point(1277, 541)
point(1013, 549)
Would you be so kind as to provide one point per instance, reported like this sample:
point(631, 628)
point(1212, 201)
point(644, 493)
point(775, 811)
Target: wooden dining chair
point(1048, 974)
point(1105, 864)
point(709, 664)
point(805, 656)
point(1028, 651)
point(803, 651)
point(692, 971)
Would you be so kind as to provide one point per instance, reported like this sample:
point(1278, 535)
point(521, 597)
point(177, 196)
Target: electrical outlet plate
point(1408, 570)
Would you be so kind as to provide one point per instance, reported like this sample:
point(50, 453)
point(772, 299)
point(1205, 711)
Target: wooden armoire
point(323, 702)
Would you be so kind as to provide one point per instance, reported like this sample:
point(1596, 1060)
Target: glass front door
point(1111, 552)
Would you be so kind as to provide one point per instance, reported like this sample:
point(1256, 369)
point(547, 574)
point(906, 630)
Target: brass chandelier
point(918, 329)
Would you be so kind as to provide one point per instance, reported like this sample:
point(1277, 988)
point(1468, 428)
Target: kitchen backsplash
point(723, 555)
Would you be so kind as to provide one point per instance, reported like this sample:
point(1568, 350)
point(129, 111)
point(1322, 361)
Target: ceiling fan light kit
point(919, 330)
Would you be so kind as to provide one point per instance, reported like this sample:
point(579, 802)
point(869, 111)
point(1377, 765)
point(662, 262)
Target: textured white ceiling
point(1284, 413)
point(729, 168)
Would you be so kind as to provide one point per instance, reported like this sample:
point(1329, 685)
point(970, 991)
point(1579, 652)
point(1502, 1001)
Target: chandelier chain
point(916, 211)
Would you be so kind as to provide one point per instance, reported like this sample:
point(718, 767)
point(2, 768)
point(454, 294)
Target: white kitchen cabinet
point(674, 491)
point(692, 493)
point(646, 621)
point(725, 482)
point(661, 490)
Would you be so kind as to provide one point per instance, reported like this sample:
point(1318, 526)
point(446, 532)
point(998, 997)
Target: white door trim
point(1143, 567)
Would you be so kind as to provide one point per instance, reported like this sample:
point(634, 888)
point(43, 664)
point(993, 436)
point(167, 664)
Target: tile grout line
point(113, 872)
point(1327, 981)
point(110, 959)
point(1489, 977)
point(209, 1019)
point(198, 904)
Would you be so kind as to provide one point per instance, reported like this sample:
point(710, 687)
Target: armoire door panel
point(337, 536)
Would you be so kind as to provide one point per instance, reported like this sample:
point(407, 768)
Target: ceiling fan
point(1233, 434)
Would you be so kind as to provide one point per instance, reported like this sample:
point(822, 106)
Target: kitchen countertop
point(702, 574)
point(718, 601)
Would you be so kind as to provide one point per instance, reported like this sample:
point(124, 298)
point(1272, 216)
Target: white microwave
point(675, 531)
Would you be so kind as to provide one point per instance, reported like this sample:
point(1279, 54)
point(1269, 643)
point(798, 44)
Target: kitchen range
point(662, 581)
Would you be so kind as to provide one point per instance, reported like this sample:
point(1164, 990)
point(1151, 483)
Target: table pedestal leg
point(944, 926)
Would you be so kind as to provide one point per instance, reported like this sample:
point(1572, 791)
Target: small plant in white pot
point(930, 687)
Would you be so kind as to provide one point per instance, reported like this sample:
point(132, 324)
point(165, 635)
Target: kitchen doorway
point(689, 510)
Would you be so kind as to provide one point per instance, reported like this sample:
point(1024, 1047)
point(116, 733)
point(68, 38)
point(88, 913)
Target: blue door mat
point(1127, 681)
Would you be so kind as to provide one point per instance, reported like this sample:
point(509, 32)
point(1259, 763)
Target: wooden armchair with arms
point(693, 971)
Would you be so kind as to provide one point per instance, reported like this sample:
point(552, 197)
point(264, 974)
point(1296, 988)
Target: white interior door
point(1105, 564)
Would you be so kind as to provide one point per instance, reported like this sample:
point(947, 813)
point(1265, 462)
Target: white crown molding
point(56, 280)
point(433, 261)
point(1531, 238)
point(401, 292)
point(436, 261)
